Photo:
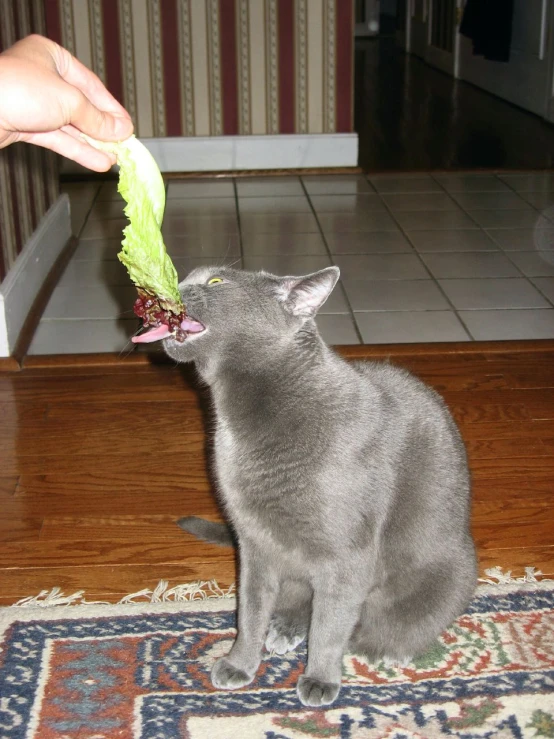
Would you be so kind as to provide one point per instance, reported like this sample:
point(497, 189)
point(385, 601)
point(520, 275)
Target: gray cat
point(345, 484)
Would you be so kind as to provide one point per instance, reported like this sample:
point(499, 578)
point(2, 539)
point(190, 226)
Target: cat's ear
point(304, 296)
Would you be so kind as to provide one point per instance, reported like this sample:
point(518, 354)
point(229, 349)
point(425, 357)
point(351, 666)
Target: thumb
point(99, 124)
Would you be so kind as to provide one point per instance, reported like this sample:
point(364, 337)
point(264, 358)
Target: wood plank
point(521, 354)
point(22, 529)
point(441, 349)
point(121, 528)
point(183, 550)
point(510, 535)
point(94, 428)
point(156, 384)
point(149, 494)
point(538, 404)
point(451, 378)
point(537, 468)
point(498, 488)
point(496, 430)
point(535, 375)
point(474, 412)
point(8, 485)
point(548, 444)
point(103, 364)
point(86, 362)
point(130, 464)
point(511, 509)
point(518, 446)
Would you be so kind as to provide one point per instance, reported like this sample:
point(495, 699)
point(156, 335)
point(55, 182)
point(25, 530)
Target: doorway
point(432, 32)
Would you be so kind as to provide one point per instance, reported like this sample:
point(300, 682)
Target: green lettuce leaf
point(143, 250)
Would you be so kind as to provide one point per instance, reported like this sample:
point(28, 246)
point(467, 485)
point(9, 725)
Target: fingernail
point(123, 127)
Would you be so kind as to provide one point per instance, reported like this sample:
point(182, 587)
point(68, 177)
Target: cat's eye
point(214, 280)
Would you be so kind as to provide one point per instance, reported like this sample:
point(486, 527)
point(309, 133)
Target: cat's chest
point(250, 476)
point(237, 458)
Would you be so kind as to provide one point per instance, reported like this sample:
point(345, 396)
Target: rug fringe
point(200, 590)
point(162, 593)
point(204, 589)
point(51, 598)
point(497, 576)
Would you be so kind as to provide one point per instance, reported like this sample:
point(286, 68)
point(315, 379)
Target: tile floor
point(447, 257)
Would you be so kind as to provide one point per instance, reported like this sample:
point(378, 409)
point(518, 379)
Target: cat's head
point(242, 311)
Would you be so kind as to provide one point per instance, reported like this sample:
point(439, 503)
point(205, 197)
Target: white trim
point(4, 346)
point(230, 153)
point(24, 280)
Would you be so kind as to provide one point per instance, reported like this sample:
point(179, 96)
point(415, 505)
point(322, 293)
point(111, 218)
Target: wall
point(34, 221)
point(28, 175)
point(198, 68)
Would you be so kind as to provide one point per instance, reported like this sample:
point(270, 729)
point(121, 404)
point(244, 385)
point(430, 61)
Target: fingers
point(70, 95)
point(68, 146)
point(76, 74)
point(92, 109)
point(97, 123)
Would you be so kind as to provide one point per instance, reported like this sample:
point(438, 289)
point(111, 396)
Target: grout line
point(237, 210)
point(513, 190)
point(345, 294)
point(502, 251)
point(506, 254)
point(433, 278)
point(537, 288)
point(94, 201)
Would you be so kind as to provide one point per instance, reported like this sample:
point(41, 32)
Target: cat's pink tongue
point(192, 326)
point(153, 334)
point(162, 332)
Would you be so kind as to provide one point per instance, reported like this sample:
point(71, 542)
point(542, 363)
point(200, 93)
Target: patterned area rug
point(142, 672)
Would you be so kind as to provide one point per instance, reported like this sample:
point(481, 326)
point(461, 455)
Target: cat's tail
point(215, 533)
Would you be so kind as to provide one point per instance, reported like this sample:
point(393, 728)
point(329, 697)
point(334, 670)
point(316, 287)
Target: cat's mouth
point(157, 333)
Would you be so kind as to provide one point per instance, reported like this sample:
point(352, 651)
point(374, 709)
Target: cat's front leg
point(257, 595)
point(335, 612)
point(290, 623)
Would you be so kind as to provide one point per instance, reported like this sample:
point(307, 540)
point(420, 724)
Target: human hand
point(48, 98)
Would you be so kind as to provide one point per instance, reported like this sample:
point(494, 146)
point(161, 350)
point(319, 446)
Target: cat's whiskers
point(123, 354)
point(129, 343)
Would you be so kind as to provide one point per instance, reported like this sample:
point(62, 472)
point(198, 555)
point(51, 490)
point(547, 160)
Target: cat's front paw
point(227, 677)
point(314, 693)
point(283, 636)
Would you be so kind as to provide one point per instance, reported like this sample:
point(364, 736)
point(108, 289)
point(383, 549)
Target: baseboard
point(231, 153)
point(24, 280)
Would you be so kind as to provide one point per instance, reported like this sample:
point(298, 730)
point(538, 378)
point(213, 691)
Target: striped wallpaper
point(217, 67)
point(28, 174)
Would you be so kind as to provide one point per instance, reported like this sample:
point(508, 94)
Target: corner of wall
point(4, 344)
point(23, 282)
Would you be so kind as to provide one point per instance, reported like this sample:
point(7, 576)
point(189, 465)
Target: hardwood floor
point(101, 456)
point(410, 116)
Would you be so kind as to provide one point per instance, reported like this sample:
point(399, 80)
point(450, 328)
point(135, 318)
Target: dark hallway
point(410, 116)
